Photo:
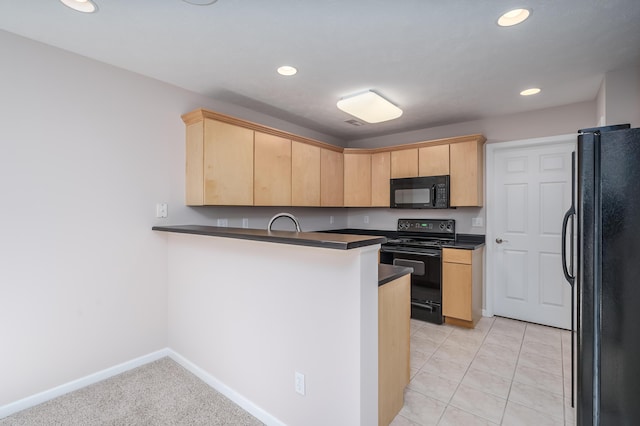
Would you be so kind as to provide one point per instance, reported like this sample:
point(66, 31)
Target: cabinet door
point(331, 178)
point(228, 164)
point(305, 174)
point(357, 180)
point(433, 160)
point(466, 163)
point(272, 183)
point(404, 163)
point(380, 175)
point(456, 291)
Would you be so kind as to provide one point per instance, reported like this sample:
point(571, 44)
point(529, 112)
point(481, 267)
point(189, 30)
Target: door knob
point(500, 240)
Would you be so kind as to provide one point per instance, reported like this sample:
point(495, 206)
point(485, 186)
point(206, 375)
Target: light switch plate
point(161, 210)
point(477, 222)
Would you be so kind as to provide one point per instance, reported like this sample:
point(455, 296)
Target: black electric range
point(419, 246)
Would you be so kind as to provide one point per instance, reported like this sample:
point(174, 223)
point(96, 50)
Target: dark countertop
point(463, 241)
point(388, 273)
point(311, 239)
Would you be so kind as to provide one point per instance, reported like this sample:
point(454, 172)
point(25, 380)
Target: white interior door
point(531, 191)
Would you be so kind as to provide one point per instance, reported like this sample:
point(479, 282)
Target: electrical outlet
point(300, 383)
point(223, 222)
point(161, 210)
point(476, 222)
point(366, 219)
point(245, 222)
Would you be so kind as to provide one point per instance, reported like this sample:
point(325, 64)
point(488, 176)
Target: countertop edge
point(388, 273)
point(308, 239)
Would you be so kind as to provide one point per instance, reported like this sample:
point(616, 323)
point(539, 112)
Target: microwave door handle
point(433, 195)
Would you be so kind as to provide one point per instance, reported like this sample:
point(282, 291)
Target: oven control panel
point(428, 226)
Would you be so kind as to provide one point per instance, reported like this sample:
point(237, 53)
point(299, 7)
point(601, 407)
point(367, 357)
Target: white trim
point(491, 150)
point(39, 398)
point(234, 396)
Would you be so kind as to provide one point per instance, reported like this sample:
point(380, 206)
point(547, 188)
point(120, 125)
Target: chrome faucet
point(289, 215)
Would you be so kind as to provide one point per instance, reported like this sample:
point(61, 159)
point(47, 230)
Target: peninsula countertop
point(310, 239)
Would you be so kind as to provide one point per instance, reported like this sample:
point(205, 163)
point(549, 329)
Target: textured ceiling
point(441, 61)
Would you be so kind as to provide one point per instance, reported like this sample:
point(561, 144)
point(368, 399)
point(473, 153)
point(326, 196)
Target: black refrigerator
point(606, 279)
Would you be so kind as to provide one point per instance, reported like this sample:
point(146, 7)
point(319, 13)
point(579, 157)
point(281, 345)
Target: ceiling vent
point(354, 122)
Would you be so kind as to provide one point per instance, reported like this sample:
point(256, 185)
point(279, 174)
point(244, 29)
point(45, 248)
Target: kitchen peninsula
point(251, 308)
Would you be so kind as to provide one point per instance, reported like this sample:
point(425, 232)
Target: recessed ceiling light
point(370, 107)
point(513, 17)
point(287, 70)
point(529, 92)
point(85, 6)
point(200, 2)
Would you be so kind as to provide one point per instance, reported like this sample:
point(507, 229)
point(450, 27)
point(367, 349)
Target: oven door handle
point(423, 305)
point(415, 253)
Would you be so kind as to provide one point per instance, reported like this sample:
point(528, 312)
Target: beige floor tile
point(451, 352)
point(539, 379)
point(479, 403)
point(519, 415)
point(538, 399)
point(467, 338)
point(494, 365)
point(438, 387)
point(415, 326)
point(543, 330)
point(501, 352)
point(485, 323)
point(487, 382)
point(508, 327)
point(422, 409)
point(436, 335)
point(403, 421)
point(413, 372)
point(542, 349)
point(455, 417)
point(510, 342)
point(422, 344)
point(444, 368)
point(551, 365)
point(417, 359)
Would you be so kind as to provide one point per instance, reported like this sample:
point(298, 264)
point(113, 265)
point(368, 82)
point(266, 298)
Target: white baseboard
point(39, 398)
point(234, 396)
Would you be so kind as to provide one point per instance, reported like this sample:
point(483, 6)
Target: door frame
point(491, 150)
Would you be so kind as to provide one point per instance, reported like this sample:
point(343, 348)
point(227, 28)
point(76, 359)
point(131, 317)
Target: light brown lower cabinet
point(462, 286)
point(394, 312)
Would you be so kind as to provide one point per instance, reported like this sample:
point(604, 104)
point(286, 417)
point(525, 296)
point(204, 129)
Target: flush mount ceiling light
point(513, 17)
point(200, 2)
point(287, 70)
point(369, 107)
point(529, 92)
point(85, 6)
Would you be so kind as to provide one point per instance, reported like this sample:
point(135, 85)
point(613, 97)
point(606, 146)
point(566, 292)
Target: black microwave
point(428, 192)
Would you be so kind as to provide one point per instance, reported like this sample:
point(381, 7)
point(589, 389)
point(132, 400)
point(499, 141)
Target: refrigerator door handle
point(568, 275)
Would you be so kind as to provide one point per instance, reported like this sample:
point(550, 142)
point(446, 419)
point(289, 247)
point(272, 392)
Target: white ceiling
point(441, 61)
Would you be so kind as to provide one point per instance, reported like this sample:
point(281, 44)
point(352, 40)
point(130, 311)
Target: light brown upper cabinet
point(235, 162)
point(404, 163)
point(357, 180)
point(433, 160)
point(467, 165)
point(380, 175)
point(272, 169)
point(305, 174)
point(331, 178)
point(219, 164)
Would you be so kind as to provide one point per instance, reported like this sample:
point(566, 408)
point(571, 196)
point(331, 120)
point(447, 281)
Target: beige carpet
point(159, 393)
